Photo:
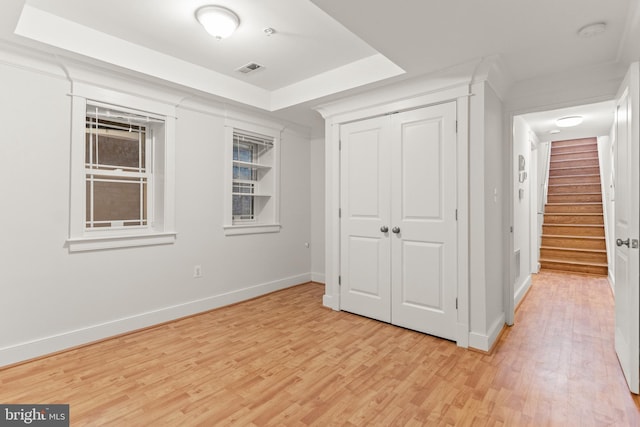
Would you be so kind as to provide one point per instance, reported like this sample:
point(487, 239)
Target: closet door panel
point(423, 208)
point(365, 196)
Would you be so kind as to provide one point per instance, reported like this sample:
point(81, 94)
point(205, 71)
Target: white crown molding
point(456, 80)
point(492, 70)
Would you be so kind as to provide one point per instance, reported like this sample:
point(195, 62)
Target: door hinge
point(339, 212)
point(456, 303)
point(339, 280)
point(456, 126)
point(456, 214)
point(511, 229)
point(339, 144)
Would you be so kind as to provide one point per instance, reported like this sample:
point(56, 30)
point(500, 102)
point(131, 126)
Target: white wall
point(486, 228)
point(522, 207)
point(532, 180)
point(542, 153)
point(496, 150)
point(317, 210)
point(606, 159)
point(53, 299)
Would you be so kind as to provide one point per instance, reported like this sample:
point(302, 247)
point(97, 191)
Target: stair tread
point(578, 176)
point(574, 225)
point(600, 251)
point(574, 194)
point(573, 204)
point(574, 213)
point(561, 261)
point(574, 183)
point(554, 144)
point(563, 236)
point(571, 167)
point(564, 153)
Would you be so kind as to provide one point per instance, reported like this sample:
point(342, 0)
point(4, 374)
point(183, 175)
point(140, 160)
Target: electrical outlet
point(197, 271)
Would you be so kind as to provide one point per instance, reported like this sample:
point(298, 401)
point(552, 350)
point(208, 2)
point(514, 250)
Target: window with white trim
point(118, 168)
point(121, 176)
point(253, 182)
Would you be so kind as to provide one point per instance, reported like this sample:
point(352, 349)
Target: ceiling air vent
point(250, 67)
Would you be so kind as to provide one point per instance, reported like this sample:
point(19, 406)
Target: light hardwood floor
point(283, 359)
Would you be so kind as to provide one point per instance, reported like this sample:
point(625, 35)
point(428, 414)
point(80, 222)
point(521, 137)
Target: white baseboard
point(485, 342)
point(522, 291)
point(462, 335)
point(330, 301)
point(317, 277)
point(54, 343)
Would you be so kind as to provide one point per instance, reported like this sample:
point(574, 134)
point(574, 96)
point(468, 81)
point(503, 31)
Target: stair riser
point(574, 142)
point(574, 171)
point(571, 256)
point(574, 189)
point(573, 163)
point(573, 219)
point(574, 198)
point(580, 148)
point(576, 179)
point(597, 209)
point(588, 269)
point(566, 230)
point(574, 155)
point(573, 242)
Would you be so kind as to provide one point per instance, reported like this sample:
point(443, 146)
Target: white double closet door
point(398, 219)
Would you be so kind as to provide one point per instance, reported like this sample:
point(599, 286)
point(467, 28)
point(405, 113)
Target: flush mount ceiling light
point(554, 131)
point(219, 21)
point(567, 122)
point(592, 30)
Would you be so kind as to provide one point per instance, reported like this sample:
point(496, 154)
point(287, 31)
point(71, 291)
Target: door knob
point(621, 242)
point(384, 229)
point(396, 230)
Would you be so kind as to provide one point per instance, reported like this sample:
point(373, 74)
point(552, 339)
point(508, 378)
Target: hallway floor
point(283, 359)
point(564, 336)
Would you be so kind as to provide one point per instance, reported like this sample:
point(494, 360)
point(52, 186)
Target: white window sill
point(234, 230)
point(81, 244)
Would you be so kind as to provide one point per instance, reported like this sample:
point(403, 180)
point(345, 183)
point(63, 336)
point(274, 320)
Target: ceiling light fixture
point(567, 122)
point(592, 30)
point(554, 131)
point(219, 21)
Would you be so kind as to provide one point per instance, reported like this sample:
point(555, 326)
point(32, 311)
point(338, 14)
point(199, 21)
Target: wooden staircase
point(573, 236)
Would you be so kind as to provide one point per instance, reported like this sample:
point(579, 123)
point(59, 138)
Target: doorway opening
point(563, 199)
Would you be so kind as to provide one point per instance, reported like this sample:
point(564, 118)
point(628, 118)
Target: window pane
point(113, 145)
point(243, 187)
point(116, 202)
point(242, 207)
point(247, 174)
point(244, 151)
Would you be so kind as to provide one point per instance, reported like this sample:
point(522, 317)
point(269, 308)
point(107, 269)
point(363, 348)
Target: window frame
point(160, 228)
point(268, 219)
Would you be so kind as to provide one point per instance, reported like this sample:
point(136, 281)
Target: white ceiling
point(323, 49)
point(598, 119)
point(303, 46)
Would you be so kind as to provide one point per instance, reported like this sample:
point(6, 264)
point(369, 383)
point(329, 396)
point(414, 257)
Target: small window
point(121, 175)
point(253, 183)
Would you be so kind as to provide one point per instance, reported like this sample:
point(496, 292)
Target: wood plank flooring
point(283, 359)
